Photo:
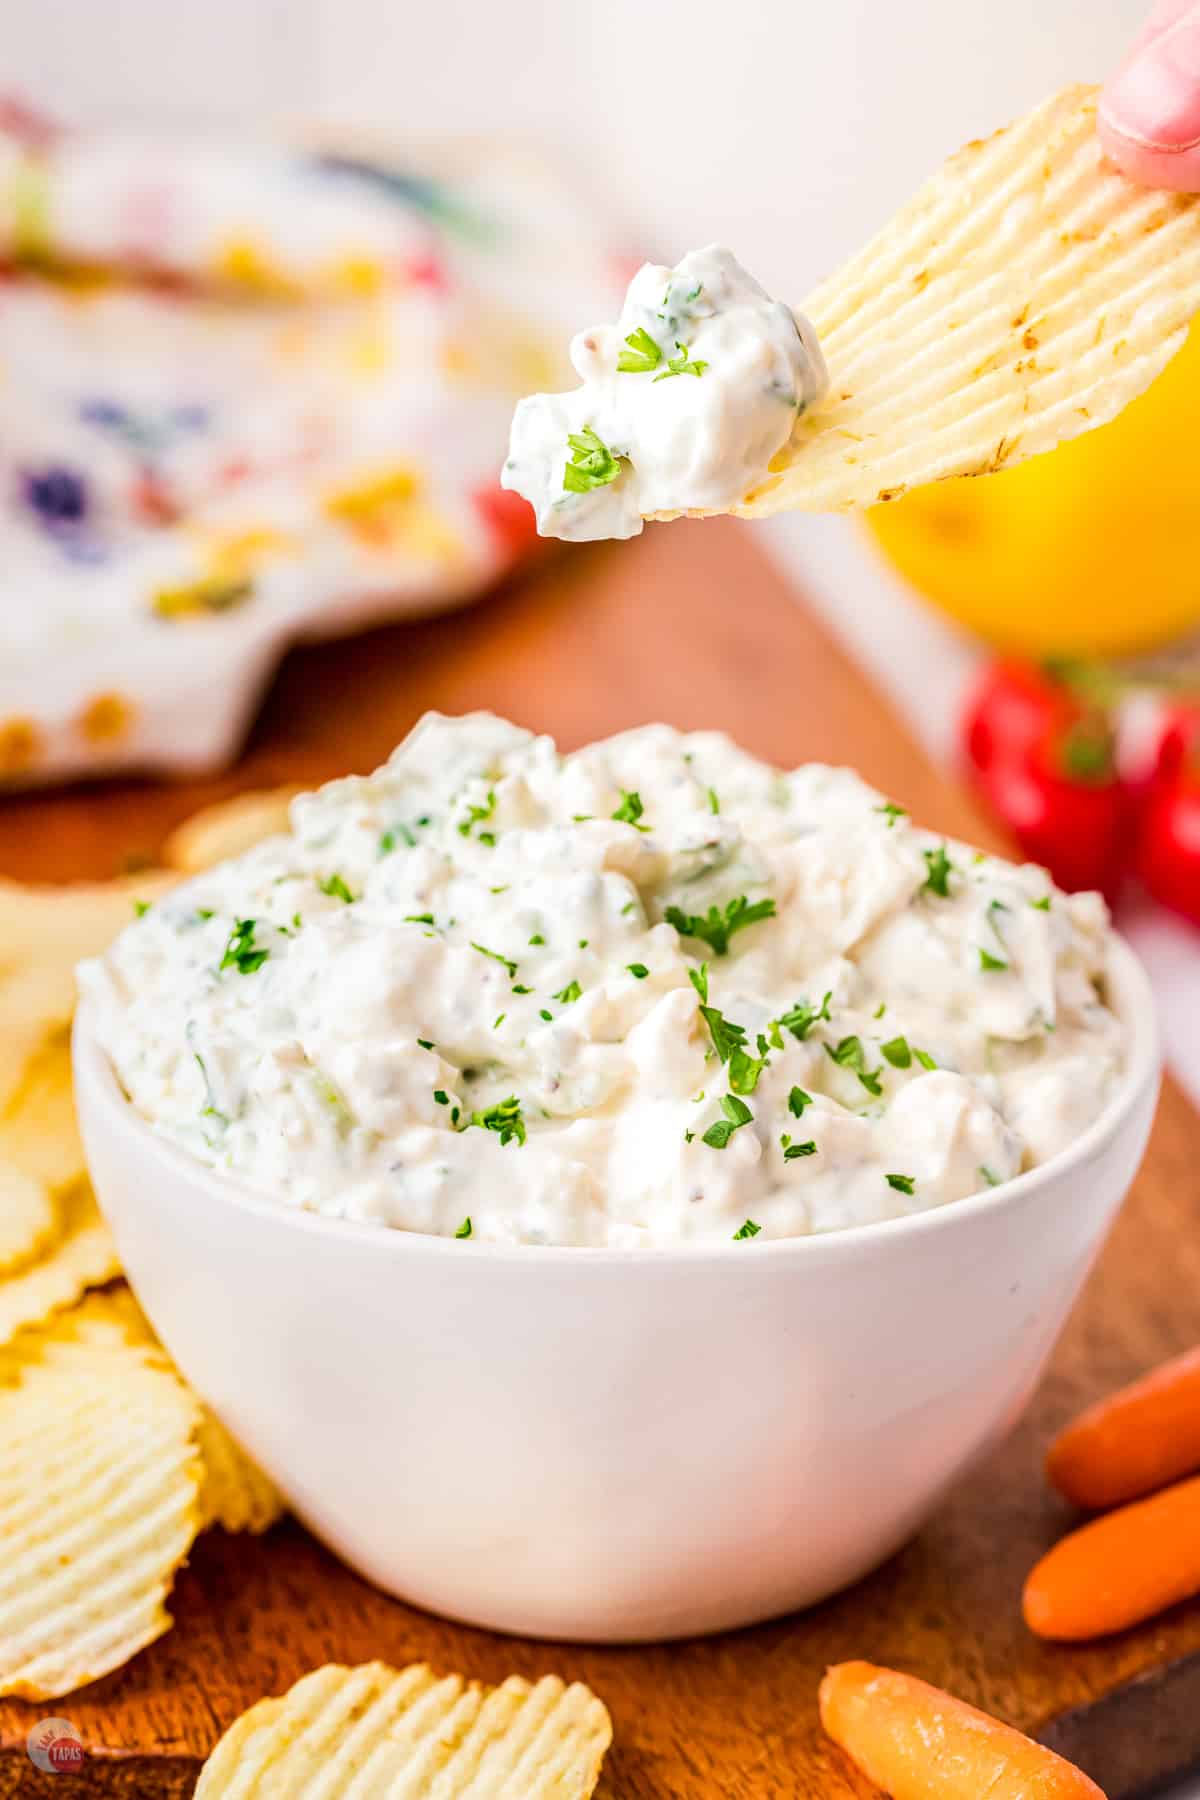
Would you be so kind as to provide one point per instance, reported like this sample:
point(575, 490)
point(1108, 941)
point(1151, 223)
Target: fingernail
point(1154, 98)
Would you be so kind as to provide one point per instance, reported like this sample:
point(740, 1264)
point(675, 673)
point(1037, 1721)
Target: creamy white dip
point(650, 992)
point(684, 402)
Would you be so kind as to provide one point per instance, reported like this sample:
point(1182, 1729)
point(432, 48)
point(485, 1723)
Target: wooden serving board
point(692, 625)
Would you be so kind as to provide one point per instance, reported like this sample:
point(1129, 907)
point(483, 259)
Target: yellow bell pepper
point(1093, 549)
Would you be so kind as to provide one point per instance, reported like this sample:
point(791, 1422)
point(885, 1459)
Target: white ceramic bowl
point(604, 1444)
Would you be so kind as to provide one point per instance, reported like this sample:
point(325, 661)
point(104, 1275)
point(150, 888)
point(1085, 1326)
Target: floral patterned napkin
point(251, 394)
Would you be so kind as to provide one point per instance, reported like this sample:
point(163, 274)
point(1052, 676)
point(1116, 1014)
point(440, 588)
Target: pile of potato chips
point(110, 1465)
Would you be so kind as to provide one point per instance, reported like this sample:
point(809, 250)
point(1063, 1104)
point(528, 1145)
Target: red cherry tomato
point(510, 518)
point(1010, 710)
point(1065, 806)
point(1168, 855)
point(1179, 739)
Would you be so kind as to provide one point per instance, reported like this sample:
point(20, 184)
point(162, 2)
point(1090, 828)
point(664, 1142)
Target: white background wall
point(787, 127)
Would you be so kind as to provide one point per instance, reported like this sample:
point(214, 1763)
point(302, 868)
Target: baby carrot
point(918, 1743)
point(1139, 1439)
point(1119, 1569)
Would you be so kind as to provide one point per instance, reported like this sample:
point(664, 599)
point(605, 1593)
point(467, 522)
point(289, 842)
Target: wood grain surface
point(693, 625)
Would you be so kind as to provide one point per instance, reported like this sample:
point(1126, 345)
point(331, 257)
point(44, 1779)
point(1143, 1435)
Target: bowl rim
point(1134, 1005)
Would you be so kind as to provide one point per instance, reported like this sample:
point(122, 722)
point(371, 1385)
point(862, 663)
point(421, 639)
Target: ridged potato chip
point(38, 1131)
point(81, 1254)
point(99, 1505)
point(57, 926)
point(234, 1491)
point(236, 1494)
point(1027, 294)
point(28, 1219)
point(228, 828)
point(378, 1733)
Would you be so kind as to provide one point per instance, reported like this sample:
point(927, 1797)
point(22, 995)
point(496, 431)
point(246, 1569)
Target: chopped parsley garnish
point(892, 813)
point(498, 1021)
point(940, 870)
point(209, 1110)
point(991, 1179)
point(495, 956)
point(519, 988)
point(583, 943)
point(879, 1011)
point(630, 810)
point(398, 833)
point(638, 970)
point(418, 918)
point(503, 1118)
point(898, 1052)
point(801, 1018)
point(714, 805)
point(715, 928)
point(642, 355)
point(792, 1151)
point(988, 962)
point(591, 465)
point(737, 1114)
point(571, 992)
point(849, 1054)
point(797, 1101)
point(903, 1184)
point(923, 1057)
point(441, 1096)
point(681, 364)
point(141, 908)
point(336, 888)
point(544, 1014)
point(744, 1069)
point(464, 1230)
point(477, 815)
point(1042, 905)
point(748, 1230)
point(425, 1043)
point(537, 938)
point(241, 952)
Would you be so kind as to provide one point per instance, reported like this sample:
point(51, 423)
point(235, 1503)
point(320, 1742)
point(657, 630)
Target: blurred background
point(790, 131)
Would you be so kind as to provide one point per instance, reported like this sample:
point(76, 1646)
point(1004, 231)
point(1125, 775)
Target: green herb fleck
point(638, 970)
point(801, 1018)
point(923, 1057)
point(425, 1043)
point(505, 961)
point(241, 953)
point(715, 928)
point(681, 364)
point(441, 1096)
point(630, 810)
point(504, 1118)
point(642, 355)
point(991, 1179)
point(797, 1101)
point(1042, 905)
point(336, 888)
point(568, 994)
point(897, 1052)
point(989, 963)
point(748, 1230)
point(849, 1054)
point(714, 805)
point(940, 870)
point(903, 1184)
point(418, 918)
point(892, 813)
point(464, 1230)
point(737, 1114)
point(537, 938)
point(591, 465)
point(476, 815)
point(792, 1151)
